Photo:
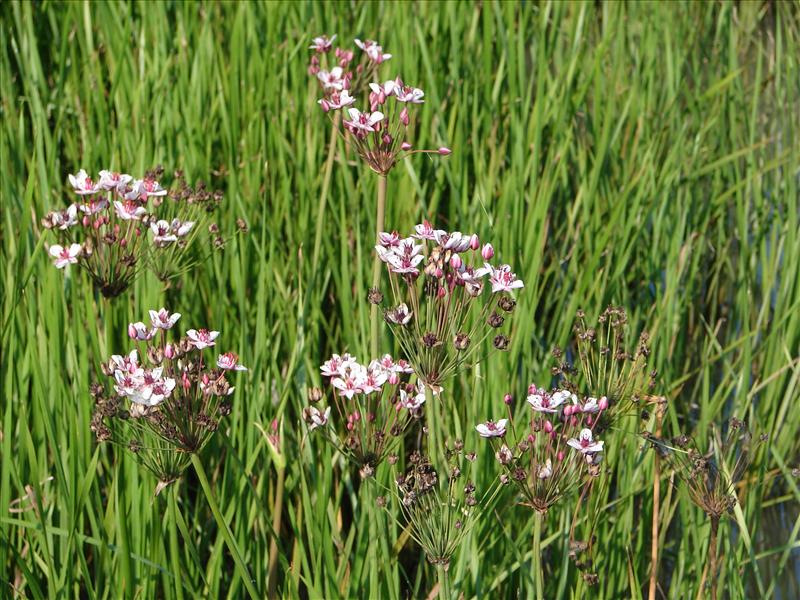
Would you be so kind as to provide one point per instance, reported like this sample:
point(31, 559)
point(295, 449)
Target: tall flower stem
point(223, 527)
point(538, 576)
point(174, 547)
point(277, 508)
point(712, 557)
point(380, 213)
point(326, 184)
point(656, 506)
point(444, 582)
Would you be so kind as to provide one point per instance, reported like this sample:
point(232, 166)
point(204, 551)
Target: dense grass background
point(640, 154)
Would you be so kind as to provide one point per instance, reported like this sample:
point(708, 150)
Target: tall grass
point(643, 154)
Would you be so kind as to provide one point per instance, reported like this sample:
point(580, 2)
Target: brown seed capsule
point(314, 395)
point(501, 342)
point(507, 303)
point(374, 296)
point(429, 340)
point(495, 320)
point(461, 341)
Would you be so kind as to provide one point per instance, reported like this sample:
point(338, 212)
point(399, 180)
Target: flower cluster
point(379, 134)
point(443, 308)
point(605, 367)
point(554, 452)
point(374, 407)
point(164, 400)
point(710, 476)
point(120, 225)
point(440, 510)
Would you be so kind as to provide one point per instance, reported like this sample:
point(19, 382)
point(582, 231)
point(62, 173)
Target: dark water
point(776, 530)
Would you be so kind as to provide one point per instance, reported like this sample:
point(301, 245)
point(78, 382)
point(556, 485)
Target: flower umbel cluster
point(165, 398)
point(447, 298)
point(374, 408)
point(606, 367)
point(710, 476)
point(554, 452)
point(380, 132)
point(119, 226)
point(441, 509)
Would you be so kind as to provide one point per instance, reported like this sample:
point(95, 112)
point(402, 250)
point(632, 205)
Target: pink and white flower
point(454, 241)
point(333, 79)
point(65, 255)
point(111, 180)
point(93, 206)
point(337, 100)
point(139, 331)
point(181, 229)
point(389, 240)
point(490, 429)
point(202, 338)
point(162, 319)
point(541, 401)
point(322, 44)
point(502, 279)
point(162, 233)
point(362, 123)
point(408, 94)
point(82, 183)
point(129, 210)
point(315, 417)
point(585, 443)
point(230, 362)
point(67, 218)
point(350, 382)
point(142, 189)
point(400, 315)
point(425, 231)
point(412, 401)
point(373, 50)
point(337, 365)
point(545, 470)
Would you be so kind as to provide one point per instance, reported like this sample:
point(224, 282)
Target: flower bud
point(560, 456)
point(86, 220)
point(169, 351)
point(387, 139)
point(603, 403)
point(456, 262)
point(325, 105)
point(132, 331)
point(548, 427)
point(441, 292)
point(474, 242)
point(568, 410)
point(382, 97)
point(405, 146)
point(404, 116)
point(394, 379)
point(487, 252)
point(445, 151)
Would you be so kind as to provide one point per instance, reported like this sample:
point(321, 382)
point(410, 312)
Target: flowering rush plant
point(442, 307)
point(374, 407)
point(120, 225)
point(606, 367)
point(441, 509)
point(554, 451)
point(165, 398)
point(379, 134)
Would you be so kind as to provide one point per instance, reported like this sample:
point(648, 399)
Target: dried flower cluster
point(379, 134)
point(709, 476)
point(606, 367)
point(165, 400)
point(120, 225)
point(441, 509)
point(442, 308)
point(374, 407)
point(554, 452)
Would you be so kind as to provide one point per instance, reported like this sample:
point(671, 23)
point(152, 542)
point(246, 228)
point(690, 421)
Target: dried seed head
point(507, 303)
point(374, 296)
point(501, 342)
point(429, 340)
point(314, 395)
point(461, 341)
point(495, 320)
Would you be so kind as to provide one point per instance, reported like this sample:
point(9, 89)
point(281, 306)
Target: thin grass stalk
point(174, 548)
point(538, 576)
point(380, 212)
point(277, 509)
point(444, 582)
point(223, 526)
point(712, 557)
point(323, 195)
point(656, 508)
point(368, 504)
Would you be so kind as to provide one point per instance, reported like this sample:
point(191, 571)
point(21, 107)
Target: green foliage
point(641, 154)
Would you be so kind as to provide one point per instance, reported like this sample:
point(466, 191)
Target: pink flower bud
point(132, 332)
point(560, 456)
point(387, 139)
point(487, 252)
point(589, 420)
point(603, 403)
point(86, 220)
point(346, 83)
point(116, 229)
point(325, 106)
point(169, 351)
point(456, 262)
point(97, 224)
point(574, 421)
point(356, 416)
point(445, 151)
point(441, 293)
point(548, 427)
point(405, 146)
point(568, 410)
point(404, 116)
point(438, 272)
point(360, 69)
point(123, 242)
point(531, 438)
point(349, 426)
point(508, 399)
point(394, 379)
point(474, 241)
point(382, 97)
